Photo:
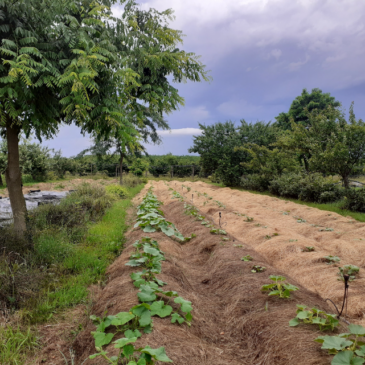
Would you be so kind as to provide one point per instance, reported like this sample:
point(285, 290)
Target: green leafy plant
point(150, 217)
point(316, 316)
point(119, 191)
point(257, 268)
point(218, 231)
point(346, 347)
point(279, 287)
point(350, 270)
point(331, 259)
point(220, 205)
point(247, 258)
point(249, 219)
point(308, 249)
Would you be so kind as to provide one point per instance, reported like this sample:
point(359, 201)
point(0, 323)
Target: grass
point(66, 267)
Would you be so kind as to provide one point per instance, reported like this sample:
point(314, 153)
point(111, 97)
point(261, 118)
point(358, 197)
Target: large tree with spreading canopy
point(70, 61)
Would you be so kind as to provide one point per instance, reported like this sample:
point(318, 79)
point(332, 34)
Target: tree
point(217, 147)
point(139, 166)
point(3, 159)
point(336, 146)
point(68, 61)
point(306, 101)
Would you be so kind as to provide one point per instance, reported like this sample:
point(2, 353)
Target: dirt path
point(291, 227)
point(234, 322)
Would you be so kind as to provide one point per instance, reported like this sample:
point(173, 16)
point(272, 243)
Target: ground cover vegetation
point(305, 154)
point(72, 245)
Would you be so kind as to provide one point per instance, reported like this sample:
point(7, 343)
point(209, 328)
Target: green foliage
point(307, 187)
point(247, 258)
point(346, 347)
point(279, 287)
point(151, 219)
point(331, 259)
point(308, 249)
point(354, 200)
point(315, 100)
point(218, 231)
point(256, 268)
point(315, 316)
point(351, 270)
point(120, 191)
point(217, 147)
point(16, 344)
point(138, 167)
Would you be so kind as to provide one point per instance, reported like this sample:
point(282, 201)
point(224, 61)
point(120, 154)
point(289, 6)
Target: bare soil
point(234, 322)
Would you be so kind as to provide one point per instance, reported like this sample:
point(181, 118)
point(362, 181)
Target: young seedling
point(247, 258)
point(301, 220)
point(267, 237)
point(324, 320)
point(326, 230)
point(257, 268)
point(238, 246)
point(279, 287)
point(218, 231)
point(249, 219)
point(346, 347)
point(308, 249)
point(331, 259)
point(350, 270)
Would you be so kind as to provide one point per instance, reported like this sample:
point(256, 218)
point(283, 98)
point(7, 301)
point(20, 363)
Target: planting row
point(154, 301)
point(346, 347)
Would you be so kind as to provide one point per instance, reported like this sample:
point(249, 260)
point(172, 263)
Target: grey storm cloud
point(261, 54)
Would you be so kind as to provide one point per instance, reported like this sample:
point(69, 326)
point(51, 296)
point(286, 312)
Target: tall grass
point(73, 244)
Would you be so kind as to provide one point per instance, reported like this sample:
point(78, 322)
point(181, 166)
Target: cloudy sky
point(261, 54)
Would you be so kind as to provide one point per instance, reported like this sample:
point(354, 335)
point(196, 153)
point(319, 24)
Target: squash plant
point(151, 219)
point(346, 347)
point(316, 316)
point(350, 270)
point(279, 287)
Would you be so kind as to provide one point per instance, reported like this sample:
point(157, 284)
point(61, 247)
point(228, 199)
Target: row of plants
point(346, 347)
point(154, 301)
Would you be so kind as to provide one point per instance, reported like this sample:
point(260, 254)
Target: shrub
point(132, 181)
point(354, 200)
point(307, 187)
point(120, 191)
point(255, 182)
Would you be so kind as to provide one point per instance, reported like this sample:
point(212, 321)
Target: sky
point(261, 55)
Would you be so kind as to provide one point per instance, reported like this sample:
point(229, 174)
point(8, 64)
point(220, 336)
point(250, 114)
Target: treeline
point(297, 156)
point(40, 163)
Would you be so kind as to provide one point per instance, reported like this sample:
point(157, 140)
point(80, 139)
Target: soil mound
point(233, 321)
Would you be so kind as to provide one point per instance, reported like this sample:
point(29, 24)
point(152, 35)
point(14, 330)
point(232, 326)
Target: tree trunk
point(14, 180)
point(121, 169)
point(346, 182)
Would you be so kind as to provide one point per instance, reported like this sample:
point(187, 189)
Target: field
point(234, 322)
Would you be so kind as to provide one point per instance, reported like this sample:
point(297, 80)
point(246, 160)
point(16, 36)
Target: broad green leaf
point(139, 309)
point(141, 362)
point(131, 334)
point(132, 363)
point(96, 355)
point(356, 329)
point(304, 314)
point(189, 317)
point(158, 354)
point(122, 318)
point(167, 230)
point(185, 304)
point(152, 251)
point(159, 308)
point(290, 287)
point(128, 350)
point(275, 292)
point(301, 306)
point(346, 358)
point(149, 229)
point(336, 343)
point(320, 339)
point(124, 341)
point(319, 320)
point(267, 287)
point(145, 319)
point(146, 294)
point(139, 282)
point(136, 275)
point(160, 282)
point(277, 278)
point(102, 339)
point(293, 322)
point(176, 317)
point(179, 235)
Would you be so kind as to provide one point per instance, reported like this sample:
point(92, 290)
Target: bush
point(131, 180)
point(354, 200)
point(120, 191)
point(307, 187)
point(255, 182)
